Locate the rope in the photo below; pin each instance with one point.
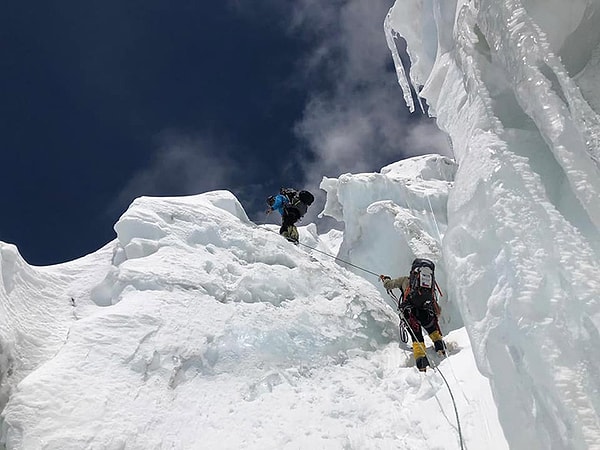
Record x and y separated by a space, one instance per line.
340 259
407 326
437 228
435 367
331 256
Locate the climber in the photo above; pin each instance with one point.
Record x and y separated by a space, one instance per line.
418 306
292 205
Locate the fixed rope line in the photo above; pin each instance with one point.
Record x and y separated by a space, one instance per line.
339 259
433 365
438 370
437 286
437 228
331 256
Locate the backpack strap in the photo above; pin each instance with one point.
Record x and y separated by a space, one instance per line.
437 286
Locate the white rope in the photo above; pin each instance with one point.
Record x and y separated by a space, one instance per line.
436 368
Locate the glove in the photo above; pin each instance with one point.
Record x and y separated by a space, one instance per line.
269 211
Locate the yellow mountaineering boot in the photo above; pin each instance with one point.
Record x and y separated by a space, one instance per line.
440 347
420 358
292 234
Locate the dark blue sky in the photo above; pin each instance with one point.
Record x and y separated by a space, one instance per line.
106 101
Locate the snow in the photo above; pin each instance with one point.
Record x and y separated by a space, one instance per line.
196 328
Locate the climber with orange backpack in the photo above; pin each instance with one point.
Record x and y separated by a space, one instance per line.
418 307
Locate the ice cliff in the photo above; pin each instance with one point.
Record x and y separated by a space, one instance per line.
514 83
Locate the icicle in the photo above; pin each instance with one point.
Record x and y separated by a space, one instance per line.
403 81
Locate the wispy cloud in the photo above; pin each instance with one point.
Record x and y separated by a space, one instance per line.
182 164
424 137
356 119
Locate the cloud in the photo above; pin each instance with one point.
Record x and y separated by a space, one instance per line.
425 137
182 164
356 119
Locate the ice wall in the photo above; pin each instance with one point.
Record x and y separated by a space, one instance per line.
514 84
392 217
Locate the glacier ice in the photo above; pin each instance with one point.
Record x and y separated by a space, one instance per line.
512 83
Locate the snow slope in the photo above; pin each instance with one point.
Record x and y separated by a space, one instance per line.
196 329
